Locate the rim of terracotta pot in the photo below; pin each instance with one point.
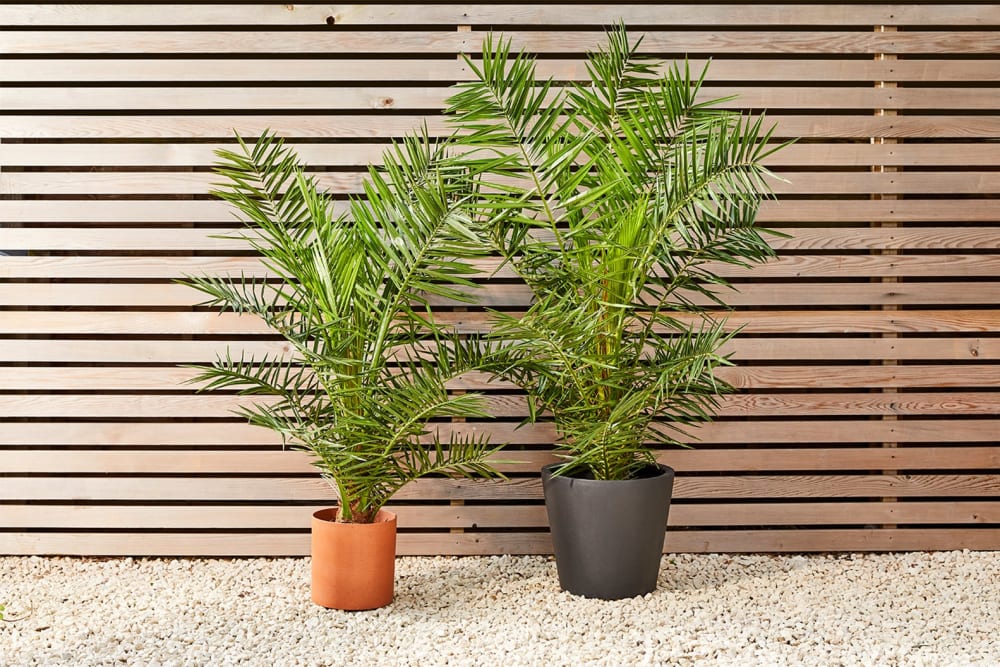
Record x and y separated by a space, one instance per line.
329 515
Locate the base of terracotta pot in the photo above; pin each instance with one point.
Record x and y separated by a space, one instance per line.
353 564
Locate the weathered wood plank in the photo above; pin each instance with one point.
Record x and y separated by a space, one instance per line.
341 154
792 183
875 539
357 126
190 239
146 295
818 404
513 14
844 512
314 490
752 322
411 98
715 459
452 42
305 489
65 212
264 517
173 434
124 378
813 404
261 517
790 266
825 377
186 69
120 351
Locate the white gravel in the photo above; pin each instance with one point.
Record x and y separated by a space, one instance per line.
903 609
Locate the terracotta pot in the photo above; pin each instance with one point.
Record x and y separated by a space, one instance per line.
353 564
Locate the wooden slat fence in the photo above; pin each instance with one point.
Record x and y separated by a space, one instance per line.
868 413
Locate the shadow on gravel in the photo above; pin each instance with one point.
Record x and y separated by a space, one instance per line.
713 571
469 585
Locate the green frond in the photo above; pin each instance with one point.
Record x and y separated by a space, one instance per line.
613 201
350 293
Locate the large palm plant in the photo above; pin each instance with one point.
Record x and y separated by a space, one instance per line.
615 200
349 292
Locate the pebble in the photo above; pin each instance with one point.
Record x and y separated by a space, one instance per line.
877 609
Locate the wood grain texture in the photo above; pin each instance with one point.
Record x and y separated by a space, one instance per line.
715 459
142 295
810 403
410 98
310 489
215 239
485 517
163 154
125 378
731 433
743 348
791 183
149 323
878 323
968 127
795 211
184 69
514 14
789 266
23 42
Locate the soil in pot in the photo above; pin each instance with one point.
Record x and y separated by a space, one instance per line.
353 564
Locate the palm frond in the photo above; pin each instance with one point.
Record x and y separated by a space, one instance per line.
351 294
641 187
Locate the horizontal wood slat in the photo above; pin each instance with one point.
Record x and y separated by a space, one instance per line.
126 378
813 266
791 183
417 70
22 42
384 98
163 155
780 322
811 404
484 517
512 14
723 432
222 544
215 239
791 211
742 348
236 462
866 416
140 295
302 489
357 126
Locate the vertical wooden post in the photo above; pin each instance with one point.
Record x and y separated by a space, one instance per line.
453 502
886 84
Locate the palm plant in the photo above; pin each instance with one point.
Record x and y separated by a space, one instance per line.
349 292
615 200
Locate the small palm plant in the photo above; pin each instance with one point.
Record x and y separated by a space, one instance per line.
615 200
349 292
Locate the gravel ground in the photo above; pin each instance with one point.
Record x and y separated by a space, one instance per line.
902 609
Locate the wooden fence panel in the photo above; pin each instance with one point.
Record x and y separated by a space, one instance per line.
868 410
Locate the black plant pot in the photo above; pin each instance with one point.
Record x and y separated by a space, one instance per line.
608 535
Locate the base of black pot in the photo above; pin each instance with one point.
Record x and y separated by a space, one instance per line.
608 535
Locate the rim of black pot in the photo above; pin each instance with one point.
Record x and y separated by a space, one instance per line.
662 471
